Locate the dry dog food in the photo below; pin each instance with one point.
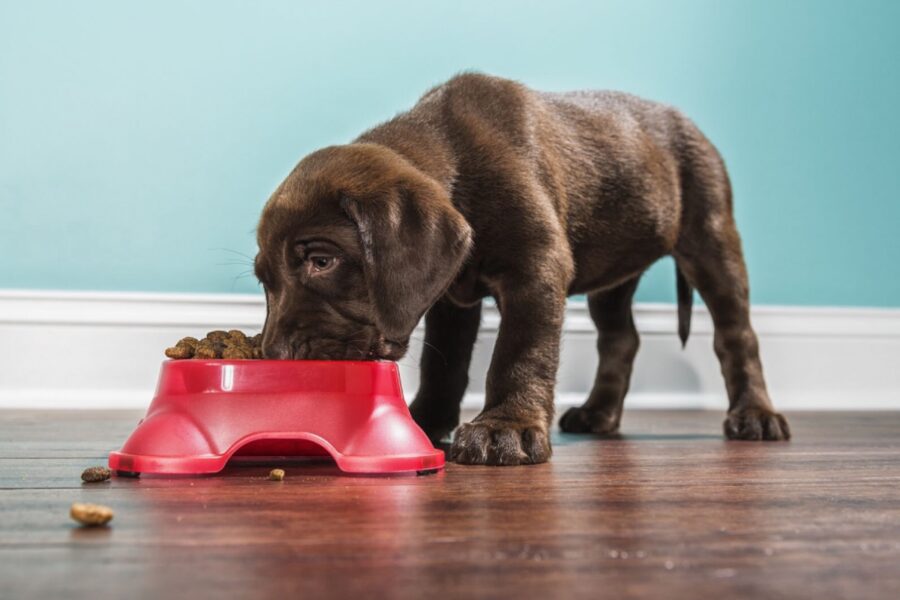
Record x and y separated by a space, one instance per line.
218 344
276 474
91 515
95 474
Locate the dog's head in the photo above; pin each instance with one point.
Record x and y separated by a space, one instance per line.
354 246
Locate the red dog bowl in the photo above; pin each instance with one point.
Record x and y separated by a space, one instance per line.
207 411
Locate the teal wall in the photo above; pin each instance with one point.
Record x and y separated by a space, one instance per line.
138 140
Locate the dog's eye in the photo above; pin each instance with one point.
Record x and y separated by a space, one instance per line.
320 262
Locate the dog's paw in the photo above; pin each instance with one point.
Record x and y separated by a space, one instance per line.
578 419
496 442
756 424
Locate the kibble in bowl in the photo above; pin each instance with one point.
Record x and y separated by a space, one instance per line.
234 344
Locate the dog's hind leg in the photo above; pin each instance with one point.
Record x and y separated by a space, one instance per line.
617 344
450 333
709 254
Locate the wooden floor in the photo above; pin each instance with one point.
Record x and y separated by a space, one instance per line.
668 510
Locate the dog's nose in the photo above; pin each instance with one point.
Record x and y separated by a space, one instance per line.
276 349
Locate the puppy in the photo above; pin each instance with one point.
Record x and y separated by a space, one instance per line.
488 188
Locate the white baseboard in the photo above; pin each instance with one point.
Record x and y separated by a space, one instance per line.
102 350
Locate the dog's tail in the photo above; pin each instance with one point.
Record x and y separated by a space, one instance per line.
685 306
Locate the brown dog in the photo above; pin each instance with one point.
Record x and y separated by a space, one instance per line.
486 187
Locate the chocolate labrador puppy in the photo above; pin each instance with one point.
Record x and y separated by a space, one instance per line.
488 188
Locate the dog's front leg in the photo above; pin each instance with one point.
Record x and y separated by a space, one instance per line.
450 334
514 426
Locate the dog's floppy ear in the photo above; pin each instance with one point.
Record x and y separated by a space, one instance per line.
414 242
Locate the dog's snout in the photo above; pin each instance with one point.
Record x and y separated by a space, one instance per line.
389 349
276 349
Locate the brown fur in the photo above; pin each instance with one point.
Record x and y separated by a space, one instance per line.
486 187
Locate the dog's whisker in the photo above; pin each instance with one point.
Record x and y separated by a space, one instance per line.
240 276
436 349
407 365
234 264
244 274
248 257
430 345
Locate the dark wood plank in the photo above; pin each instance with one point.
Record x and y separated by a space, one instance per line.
667 510
63 433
